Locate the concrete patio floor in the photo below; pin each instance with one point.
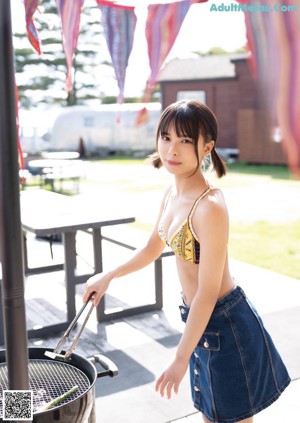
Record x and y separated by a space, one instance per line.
142 345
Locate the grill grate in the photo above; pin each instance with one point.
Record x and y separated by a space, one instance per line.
48 380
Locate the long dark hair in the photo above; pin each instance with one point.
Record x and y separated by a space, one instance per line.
190 118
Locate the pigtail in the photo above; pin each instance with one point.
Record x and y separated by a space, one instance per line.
218 164
154 160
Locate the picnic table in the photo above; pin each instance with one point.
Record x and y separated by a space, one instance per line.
56 167
60 155
46 213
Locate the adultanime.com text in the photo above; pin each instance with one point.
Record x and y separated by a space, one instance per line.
252 7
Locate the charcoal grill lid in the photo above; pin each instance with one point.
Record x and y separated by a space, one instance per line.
48 380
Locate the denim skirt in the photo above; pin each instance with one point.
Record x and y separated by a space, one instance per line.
235 370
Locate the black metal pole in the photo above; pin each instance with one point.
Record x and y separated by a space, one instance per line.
10 221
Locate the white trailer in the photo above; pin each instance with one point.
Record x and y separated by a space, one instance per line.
107 128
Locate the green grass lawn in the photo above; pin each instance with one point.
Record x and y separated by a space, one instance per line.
274 246
274 171
271 245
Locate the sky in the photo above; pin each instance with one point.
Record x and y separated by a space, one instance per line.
201 30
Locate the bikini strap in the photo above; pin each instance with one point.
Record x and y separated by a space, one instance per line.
197 201
167 200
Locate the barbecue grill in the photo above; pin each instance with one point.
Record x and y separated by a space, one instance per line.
49 379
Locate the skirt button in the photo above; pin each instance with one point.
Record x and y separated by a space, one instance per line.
196 372
182 311
206 344
196 389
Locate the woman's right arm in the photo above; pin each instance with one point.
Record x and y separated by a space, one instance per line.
99 283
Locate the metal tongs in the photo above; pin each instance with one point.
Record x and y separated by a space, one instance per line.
56 354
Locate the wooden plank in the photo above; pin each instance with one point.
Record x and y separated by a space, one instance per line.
40 312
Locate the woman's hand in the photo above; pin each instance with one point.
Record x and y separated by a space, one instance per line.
98 284
170 379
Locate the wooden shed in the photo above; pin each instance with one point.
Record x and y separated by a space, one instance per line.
225 83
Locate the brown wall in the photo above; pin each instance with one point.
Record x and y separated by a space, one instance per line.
246 86
254 139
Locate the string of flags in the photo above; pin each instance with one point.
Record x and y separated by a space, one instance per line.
119 22
273 40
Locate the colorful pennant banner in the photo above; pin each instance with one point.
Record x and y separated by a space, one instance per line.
70 12
32 34
162 27
119 26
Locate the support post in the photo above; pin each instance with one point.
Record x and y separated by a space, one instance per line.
10 222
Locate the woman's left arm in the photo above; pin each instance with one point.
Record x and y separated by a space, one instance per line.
210 222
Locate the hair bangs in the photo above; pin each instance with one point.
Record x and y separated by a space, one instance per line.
182 121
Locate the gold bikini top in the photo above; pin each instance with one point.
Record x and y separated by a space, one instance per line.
184 241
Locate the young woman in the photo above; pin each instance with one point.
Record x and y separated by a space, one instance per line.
235 370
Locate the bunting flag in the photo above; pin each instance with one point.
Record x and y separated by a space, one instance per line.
119 24
162 27
70 11
32 34
274 41
163 24
288 28
261 36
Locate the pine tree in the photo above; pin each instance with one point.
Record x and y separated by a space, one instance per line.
41 79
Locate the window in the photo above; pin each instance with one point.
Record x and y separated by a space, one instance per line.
88 122
191 95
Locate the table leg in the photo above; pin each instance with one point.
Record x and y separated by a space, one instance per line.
36 270
158 283
98 264
69 241
97 248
